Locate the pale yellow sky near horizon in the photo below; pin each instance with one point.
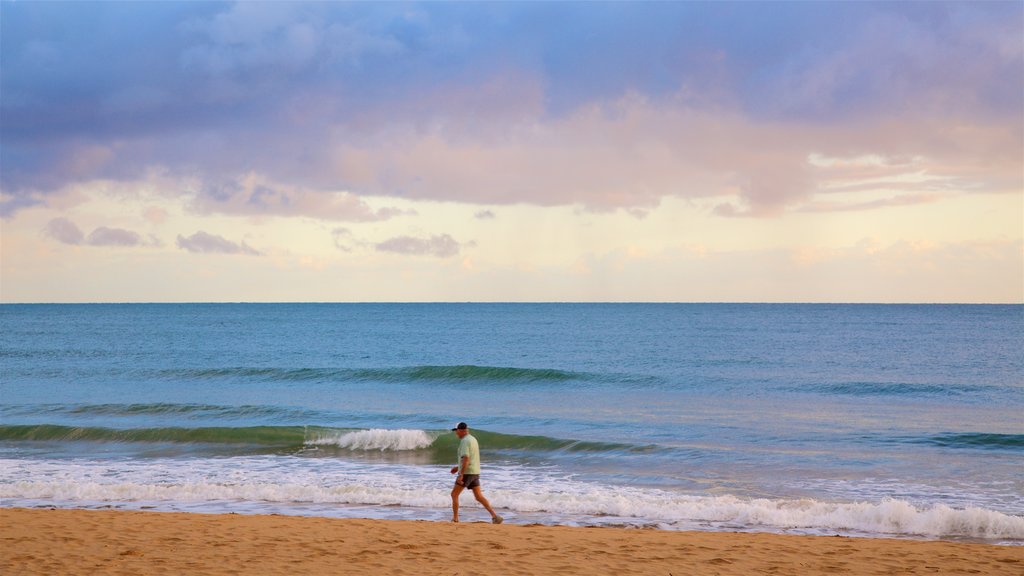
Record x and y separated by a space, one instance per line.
960 248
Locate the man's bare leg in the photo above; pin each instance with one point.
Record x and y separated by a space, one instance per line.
479 494
455 502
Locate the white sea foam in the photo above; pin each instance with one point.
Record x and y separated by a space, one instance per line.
320 484
375 439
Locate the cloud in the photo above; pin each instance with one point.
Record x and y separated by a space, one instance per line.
484 215
903 200
203 242
64 231
67 232
344 240
894 60
10 206
155 215
442 246
309 109
104 236
252 195
280 38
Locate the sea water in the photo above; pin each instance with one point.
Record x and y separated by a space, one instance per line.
874 420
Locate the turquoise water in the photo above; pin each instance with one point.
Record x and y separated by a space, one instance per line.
857 419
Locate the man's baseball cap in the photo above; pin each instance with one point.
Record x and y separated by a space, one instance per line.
461 426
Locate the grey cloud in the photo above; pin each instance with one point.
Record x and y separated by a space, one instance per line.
104 236
11 205
203 242
64 231
728 210
67 232
484 215
442 246
344 240
259 199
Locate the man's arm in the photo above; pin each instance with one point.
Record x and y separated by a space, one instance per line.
463 465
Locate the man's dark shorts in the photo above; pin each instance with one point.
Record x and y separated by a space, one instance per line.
470 480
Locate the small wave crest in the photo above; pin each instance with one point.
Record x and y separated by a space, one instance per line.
264 435
978 440
493 373
458 373
893 389
498 441
196 410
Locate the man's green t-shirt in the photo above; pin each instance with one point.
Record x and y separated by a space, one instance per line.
468 446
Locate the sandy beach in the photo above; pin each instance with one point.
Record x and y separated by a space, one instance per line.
47 541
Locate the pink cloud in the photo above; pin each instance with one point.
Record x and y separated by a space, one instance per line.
631 153
155 215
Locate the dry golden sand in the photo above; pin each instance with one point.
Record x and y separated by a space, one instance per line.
54 542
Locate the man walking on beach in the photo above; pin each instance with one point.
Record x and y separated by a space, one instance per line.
468 472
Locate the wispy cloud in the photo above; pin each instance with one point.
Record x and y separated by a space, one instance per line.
344 240
253 196
206 243
441 246
894 201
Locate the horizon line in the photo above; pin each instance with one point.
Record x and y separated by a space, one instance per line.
573 302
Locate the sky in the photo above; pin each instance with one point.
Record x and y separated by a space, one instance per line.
587 151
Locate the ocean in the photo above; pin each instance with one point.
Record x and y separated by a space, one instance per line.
860 420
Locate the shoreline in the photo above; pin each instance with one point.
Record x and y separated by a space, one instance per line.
80 541
478 515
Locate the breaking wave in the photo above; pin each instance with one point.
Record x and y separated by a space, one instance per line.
375 439
590 504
